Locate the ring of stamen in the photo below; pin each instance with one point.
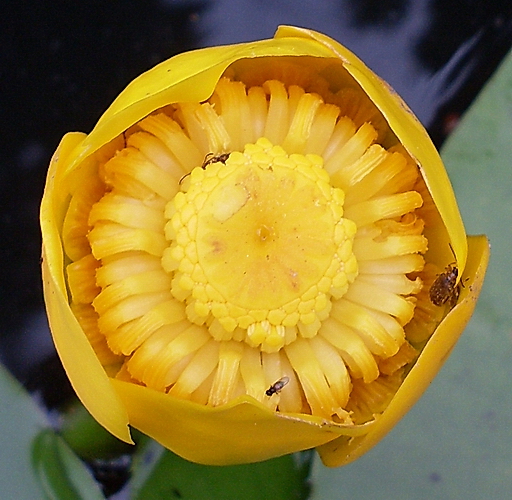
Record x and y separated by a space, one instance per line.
217 284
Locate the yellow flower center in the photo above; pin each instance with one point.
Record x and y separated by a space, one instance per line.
260 245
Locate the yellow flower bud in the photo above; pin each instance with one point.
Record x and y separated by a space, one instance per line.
239 260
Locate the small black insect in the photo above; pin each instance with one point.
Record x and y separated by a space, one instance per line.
208 160
277 386
213 158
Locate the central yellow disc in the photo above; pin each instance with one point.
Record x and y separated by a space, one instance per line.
265 236
260 243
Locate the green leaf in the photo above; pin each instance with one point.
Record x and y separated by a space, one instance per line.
87 438
172 477
456 442
63 476
20 421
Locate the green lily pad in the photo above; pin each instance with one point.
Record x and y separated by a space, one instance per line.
457 441
20 421
62 475
171 477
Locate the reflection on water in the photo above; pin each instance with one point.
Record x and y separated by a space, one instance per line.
436 53
366 13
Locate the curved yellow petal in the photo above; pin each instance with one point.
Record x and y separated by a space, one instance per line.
410 132
190 76
345 450
80 362
242 431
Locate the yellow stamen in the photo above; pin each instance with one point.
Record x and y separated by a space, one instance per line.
133 165
125 265
355 353
266 234
252 373
236 114
314 380
81 279
134 320
172 135
367 400
128 212
76 227
302 122
200 367
384 207
156 151
110 239
88 319
277 118
230 354
353 159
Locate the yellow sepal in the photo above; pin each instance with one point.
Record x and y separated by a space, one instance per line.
242 431
85 372
342 451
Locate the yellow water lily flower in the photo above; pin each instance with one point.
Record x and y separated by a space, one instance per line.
238 259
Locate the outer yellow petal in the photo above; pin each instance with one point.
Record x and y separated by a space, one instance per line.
411 134
190 76
242 431
345 450
80 362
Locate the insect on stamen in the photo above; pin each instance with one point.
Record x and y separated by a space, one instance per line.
208 160
277 386
213 158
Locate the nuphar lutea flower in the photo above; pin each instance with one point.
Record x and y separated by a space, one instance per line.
239 259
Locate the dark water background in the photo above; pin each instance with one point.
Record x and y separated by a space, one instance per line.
63 62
